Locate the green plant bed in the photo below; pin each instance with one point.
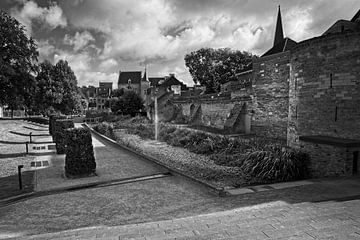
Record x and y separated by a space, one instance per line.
79 160
59 133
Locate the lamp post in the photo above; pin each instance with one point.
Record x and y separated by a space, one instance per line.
156 120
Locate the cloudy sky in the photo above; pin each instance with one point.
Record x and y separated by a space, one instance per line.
100 37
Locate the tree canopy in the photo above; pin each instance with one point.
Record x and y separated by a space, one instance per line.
56 88
23 83
18 56
213 67
130 103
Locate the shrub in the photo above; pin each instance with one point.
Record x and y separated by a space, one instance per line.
52 120
106 129
79 160
41 120
60 135
144 130
275 164
165 132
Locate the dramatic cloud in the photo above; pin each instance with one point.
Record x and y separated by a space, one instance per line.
99 38
52 16
79 41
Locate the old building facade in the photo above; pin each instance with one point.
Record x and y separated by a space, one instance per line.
306 93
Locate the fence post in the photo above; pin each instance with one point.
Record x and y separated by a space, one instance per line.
27 147
30 137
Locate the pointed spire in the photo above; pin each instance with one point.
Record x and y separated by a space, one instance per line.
279 35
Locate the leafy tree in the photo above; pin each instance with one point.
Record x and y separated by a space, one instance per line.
128 104
57 88
213 67
117 92
18 55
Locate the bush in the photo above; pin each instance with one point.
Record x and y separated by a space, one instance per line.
52 120
60 135
79 160
106 129
41 120
276 164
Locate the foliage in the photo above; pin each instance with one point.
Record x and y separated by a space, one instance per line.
79 158
40 120
18 54
52 120
106 129
56 88
213 67
96 113
117 92
60 135
276 164
128 104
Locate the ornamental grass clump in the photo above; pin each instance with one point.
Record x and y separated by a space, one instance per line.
79 160
276 164
59 134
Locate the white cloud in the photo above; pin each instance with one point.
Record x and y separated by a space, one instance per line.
80 40
45 49
108 64
51 16
298 21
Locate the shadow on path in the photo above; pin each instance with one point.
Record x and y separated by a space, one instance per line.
9 186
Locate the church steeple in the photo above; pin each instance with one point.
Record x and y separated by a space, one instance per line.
279 35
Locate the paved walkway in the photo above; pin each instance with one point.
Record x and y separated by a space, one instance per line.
172 208
275 220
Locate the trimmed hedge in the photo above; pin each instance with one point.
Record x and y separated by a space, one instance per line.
41 120
59 133
52 119
79 160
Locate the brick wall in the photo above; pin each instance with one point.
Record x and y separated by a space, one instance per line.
325 88
270 95
328 160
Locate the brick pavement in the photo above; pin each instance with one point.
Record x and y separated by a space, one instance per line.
274 220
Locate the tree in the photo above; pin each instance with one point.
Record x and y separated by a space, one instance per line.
128 104
213 67
18 55
117 92
57 88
